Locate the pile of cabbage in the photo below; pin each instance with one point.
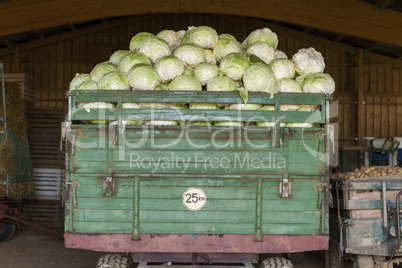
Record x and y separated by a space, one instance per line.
199 59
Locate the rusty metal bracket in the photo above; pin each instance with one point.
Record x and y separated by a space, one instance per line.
109 186
74 186
285 188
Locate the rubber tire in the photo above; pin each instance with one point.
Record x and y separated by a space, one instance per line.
333 255
296 257
7 230
276 262
363 261
113 260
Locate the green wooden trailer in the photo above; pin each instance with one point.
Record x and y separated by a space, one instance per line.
196 194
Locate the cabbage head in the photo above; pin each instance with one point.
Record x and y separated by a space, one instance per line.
228 124
264 35
87 85
244 107
132 59
116 57
168 68
233 65
133 105
268 124
114 81
204 36
209 56
221 83
161 123
259 77
308 61
288 85
181 34
143 77
203 106
303 125
205 71
154 48
319 83
190 54
279 54
78 79
185 82
227 36
263 51
282 68
97 105
171 37
137 40
101 69
186 38
225 47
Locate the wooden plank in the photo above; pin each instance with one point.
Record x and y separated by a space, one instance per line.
361 119
377 118
385 124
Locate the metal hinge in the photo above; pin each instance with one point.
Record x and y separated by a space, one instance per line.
285 188
108 186
74 186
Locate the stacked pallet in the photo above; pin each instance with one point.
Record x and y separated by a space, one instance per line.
44 137
49 213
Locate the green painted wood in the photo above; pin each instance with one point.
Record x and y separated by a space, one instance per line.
258 211
196 228
289 205
222 217
291 217
291 229
197 115
211 205
95 215
195 97
136 208
173 181
232 179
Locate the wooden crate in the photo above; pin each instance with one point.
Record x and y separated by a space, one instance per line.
26 83
49 213
47 183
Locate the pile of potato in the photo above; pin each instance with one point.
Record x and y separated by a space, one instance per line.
374 171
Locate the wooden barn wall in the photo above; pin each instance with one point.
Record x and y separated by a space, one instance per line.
369 99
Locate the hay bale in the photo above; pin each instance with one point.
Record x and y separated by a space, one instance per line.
15 109
14 151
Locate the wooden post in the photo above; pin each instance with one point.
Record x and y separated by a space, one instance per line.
361 119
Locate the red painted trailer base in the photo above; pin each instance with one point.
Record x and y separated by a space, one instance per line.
181 243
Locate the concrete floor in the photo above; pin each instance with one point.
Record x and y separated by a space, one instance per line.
30 249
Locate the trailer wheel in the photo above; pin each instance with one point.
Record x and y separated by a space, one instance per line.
276 262
333 255
7 230
113 260
295 257
363 261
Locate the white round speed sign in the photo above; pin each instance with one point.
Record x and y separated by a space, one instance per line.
194 199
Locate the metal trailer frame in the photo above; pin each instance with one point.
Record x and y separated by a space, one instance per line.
187 247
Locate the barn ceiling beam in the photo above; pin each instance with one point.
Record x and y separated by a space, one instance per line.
6 42
348 17
64 36
373 46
